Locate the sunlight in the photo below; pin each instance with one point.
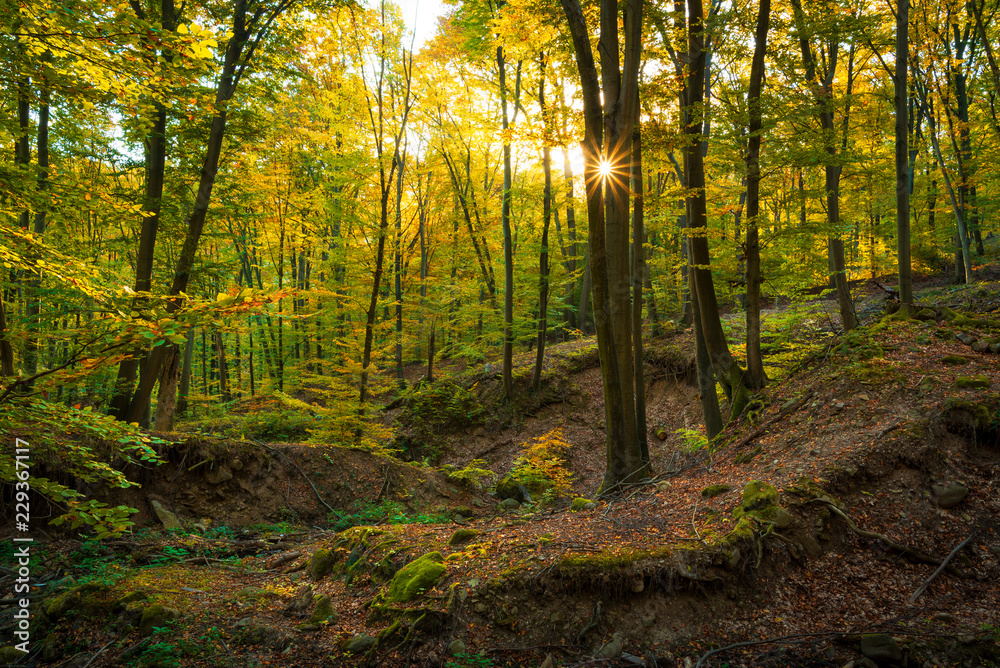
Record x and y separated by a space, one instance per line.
604 168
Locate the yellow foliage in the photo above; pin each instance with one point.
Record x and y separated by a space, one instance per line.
542 464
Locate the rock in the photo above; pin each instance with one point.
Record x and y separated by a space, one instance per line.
760 498
648 621
613 648
662 486
155 616
943 617
303 600
359 644
456 646
880 647
132 597
811 546
549 662
218 476
981 346
950 494
732 558
415 578
269 636
59 605
782 518
324 612
462 536
979 381
321 564
715 490
581 503
10 654
509 504
508 488
967 339
169 519
52 648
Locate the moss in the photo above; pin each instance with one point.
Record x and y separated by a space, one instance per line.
954 360
759 498
715 490
977 381
155 616
545 539
581 503
322 563
324 612
462 536
77 597
415 578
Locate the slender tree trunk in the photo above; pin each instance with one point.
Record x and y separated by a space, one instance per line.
508 247
638 283
543 256
710 410
34 283
185 381
902 156
398 270
755 361
6 350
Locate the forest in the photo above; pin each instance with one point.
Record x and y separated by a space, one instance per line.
592 256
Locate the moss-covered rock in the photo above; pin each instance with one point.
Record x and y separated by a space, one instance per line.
509 488
156 616
415 578
978 381
462 536
715 490
324 612
76 597
359 644
581 503
10 654
954 360
322 563
759 498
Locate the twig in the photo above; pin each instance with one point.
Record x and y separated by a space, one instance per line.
93 658
770 641
767 425
916 554
594 621
944 564
296 466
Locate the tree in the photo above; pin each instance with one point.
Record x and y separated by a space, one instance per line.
607 152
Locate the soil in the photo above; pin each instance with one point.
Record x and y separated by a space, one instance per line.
869 426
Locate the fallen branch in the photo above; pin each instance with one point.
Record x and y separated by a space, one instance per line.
767 425
916 554
944 564
296 466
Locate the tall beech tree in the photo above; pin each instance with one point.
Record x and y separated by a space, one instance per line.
607 154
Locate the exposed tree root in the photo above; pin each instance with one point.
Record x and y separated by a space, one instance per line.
916 554
944 564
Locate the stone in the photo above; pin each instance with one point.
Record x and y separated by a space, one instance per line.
880 647
359 644
995 348
648 621
59 605
549 662
456 646
967 339
715 490
269 636
219 475
508 488
156 616
943 617
415 578
462 536
10 654
782 518
981 346
978 381
321 564
581 503
324 612
169 519
613 648
509 504
949 495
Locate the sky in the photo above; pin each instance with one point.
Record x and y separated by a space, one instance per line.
421 16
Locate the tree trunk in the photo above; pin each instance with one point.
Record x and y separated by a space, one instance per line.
609 125
185 381
902 157
755 361
543 256
508 247
398 271
638 283
729 374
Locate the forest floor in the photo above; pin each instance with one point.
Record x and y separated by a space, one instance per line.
810 534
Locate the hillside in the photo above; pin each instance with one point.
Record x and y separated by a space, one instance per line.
810 535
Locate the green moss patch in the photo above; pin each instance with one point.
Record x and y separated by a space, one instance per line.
715 490
462 536
759 498
415 578
978 381
954 360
